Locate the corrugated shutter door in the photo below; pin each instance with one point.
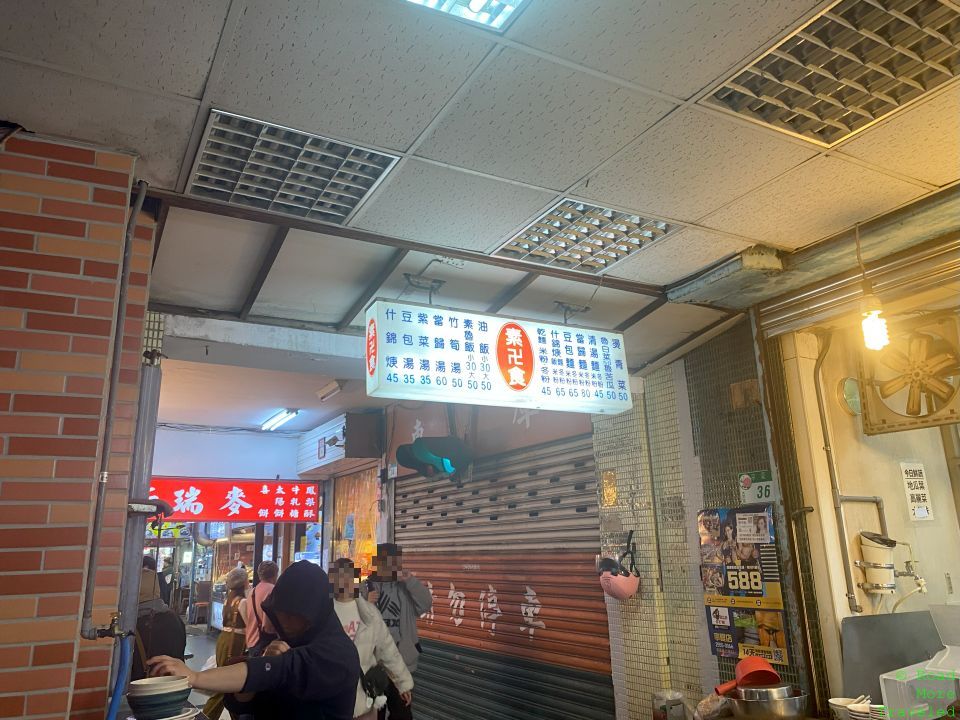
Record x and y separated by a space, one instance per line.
518 611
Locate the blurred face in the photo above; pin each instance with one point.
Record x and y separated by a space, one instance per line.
345 583
292 626
389 566
744 551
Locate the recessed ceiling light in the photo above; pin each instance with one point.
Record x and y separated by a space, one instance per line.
250 162
490 14
859 61
580 236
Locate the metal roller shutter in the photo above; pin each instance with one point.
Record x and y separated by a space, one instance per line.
518 611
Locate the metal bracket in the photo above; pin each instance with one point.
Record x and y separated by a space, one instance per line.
874 566
876 586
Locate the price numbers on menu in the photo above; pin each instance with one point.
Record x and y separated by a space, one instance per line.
744 580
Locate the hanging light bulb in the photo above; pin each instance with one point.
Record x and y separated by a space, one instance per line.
873 324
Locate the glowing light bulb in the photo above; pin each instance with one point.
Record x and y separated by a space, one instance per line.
874 325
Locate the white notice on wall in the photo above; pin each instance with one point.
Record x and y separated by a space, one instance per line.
918 490
419 352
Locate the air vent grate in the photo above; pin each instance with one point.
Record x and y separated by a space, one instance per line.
254 163
856 63
583 237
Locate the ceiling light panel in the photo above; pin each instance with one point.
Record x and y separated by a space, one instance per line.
249 162
578 236
856 63
490 14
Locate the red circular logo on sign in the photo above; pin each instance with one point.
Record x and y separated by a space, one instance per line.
372 347
515 356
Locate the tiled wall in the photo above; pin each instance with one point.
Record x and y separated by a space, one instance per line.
63 212
680 449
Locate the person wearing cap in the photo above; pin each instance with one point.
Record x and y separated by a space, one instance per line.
233 636
401 598
309 673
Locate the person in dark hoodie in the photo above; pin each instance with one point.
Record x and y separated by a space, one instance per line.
310 673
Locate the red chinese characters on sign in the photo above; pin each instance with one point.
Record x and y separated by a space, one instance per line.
515 356
217 500
372 347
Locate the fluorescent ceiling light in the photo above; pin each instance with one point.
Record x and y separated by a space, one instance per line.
580 236
284 416
490 14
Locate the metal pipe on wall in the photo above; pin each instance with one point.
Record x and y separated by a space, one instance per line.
870 500
140 473
87 630
826 338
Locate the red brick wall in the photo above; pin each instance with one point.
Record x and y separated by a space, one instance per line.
62 219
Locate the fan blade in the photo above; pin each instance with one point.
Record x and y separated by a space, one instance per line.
895 360
913 400
892 387
938 387
943 361
918 348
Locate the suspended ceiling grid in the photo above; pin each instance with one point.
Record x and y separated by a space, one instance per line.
490 131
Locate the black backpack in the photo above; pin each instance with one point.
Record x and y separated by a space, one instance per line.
158 633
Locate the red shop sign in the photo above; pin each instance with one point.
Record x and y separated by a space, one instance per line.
219 500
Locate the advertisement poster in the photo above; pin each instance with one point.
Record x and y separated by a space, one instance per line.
741 583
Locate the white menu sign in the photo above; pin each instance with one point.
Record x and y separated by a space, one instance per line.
917 489
420 352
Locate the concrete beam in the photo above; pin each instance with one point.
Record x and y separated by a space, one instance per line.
268 347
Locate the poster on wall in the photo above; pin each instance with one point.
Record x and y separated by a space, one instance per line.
918 491
741 583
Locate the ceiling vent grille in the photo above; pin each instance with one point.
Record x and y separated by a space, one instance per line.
249 162
856 63
578 236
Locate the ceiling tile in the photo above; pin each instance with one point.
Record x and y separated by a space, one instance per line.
102 114
467 286
207 261
608 308
677 256
661 330
166 46
318 277
676 47
812 202
691 164
450 208
922 141
532 120
372 72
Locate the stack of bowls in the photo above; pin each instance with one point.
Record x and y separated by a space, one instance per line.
840 707
158 698
878 712
859 711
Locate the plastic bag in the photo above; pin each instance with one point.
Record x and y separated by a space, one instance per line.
712 707
210 663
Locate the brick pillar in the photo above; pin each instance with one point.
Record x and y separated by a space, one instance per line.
63 211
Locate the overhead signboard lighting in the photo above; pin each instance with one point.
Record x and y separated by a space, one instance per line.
281 418
490 14
419 352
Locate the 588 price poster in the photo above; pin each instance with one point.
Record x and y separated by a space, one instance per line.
741 582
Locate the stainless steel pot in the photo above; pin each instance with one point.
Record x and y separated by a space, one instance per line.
764 692
776 709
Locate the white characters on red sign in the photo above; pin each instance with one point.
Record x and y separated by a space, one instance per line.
235 501
515 338
428 615
265 490
530 609
458 602
263 513
517 376
188 501
489 609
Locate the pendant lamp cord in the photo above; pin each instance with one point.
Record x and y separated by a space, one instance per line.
867 286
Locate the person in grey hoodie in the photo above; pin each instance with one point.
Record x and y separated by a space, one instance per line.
401 598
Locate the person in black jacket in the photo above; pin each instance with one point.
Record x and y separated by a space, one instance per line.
310 673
